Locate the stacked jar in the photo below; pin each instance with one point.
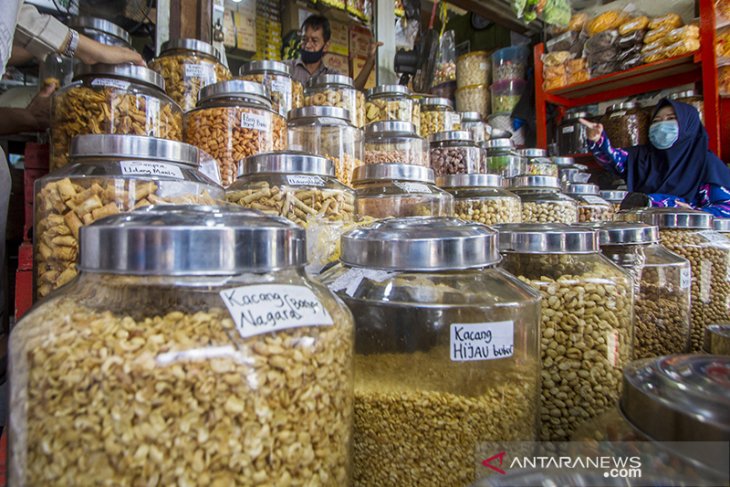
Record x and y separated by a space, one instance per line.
276 76
626 124
427 384
334 90
542 201
472 81
164 348
691 97
327 132
717 340
392 103
572 135
437 115
538 163
591 207
395 143
587 320
501 158
234 120
474 123
721 226
615 197
399 190
455 152
101 30
481 198
509 66
119 100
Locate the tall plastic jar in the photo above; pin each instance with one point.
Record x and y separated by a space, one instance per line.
108 174
626 124
428 381
395 143
438 115
509 63
115 100
472 68
506 95
473 122
591 207
482 198
587 320
210 360
334 90
392 103
399 190
327 132
276 76
473 98
188 65
234 120
454 152
542 201
615 197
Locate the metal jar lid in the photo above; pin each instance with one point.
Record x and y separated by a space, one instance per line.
437 102
532 153
582 189
535 182
452 136
191 241
620 233
286 162
613 196
563 161
676 218
331 79
717 339
133 147
236 88
127 72
388 90
627 105
393 172
576 115
102 26
679 397
194 45
499 144
721 225
683 94
319 112
421 245
469 181
471 117
550 238
261 67
390 127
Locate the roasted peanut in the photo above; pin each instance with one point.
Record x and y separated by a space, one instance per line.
550 212
489 211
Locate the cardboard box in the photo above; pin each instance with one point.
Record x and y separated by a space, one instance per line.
245 32
337 62
339 42
359 41
229 29
357 64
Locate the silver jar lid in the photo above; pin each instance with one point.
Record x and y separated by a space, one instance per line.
469 181
236 88
421 245
582 189
535 182
721 225
260 67
620 233
627 105
669 218
102 26
613 196
331 79
133 147
576 115
683 94
563 161
191 241
319 112
679 397
127 72
717 339
390 127
533 153
471 117
499 144
550 238
388 90
393 172
437 102
193 45
286 162
452 136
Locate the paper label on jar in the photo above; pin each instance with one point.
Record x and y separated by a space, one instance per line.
593 200
203 72
569 129
452 120
153 169
482 341
283 86
617 114
255 121
350 280
113 83
305 181
685 278
418 188
267 308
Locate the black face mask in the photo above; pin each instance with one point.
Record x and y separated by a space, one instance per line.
311 57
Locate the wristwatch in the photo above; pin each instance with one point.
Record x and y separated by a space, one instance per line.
73 43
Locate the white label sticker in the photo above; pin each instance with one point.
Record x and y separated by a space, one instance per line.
283 86
146 168
482 341
685 278
305 180
254 121
482 66
350 280
113 83
418 188
594 200
452 120
267 308
204 72
569 129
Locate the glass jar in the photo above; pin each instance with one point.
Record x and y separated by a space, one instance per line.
297 94
216 341
437 115
626 124
472 122
573 174
118 100
108 174
399 190
587 320
572 135
188 65
542 201
500 147
532 153
661 287
563 161
454 152
721 226
541 166
234 120
392 103
101 30
395 143
473 98
591 207
472 68
327 132
423 367
717 340
481 198
614 197
334 90
691 97
276 76
56 70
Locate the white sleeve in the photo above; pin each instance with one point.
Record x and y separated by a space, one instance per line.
38 33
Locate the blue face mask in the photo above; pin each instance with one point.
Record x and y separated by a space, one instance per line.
663 135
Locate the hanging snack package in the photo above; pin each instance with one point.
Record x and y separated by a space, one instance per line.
608 20
670 21
556 58
445 66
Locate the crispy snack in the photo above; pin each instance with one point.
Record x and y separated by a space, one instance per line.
186 74
608 20
633 25
669 21
347 98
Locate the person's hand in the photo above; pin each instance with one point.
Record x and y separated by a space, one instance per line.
40 106
91 52
595 130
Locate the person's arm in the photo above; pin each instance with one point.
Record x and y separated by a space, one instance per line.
611 158
33 118
714 199
362 78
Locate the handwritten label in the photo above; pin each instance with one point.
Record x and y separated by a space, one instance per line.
281 85
113 83
452 120
482 341
418 188
156 169
305 181
594 200
266 308
569 129
203 72
350 280
685 278
254 121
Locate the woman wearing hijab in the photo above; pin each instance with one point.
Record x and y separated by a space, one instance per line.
676 169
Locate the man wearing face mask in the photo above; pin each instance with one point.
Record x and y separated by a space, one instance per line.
676 169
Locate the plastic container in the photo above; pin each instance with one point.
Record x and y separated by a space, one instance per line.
395 143
506 95
415 384
572 135
614 197
334 90
159 352
399 190
101 30
473 122
481 198
455 152
276 76
115 100
392 103
509 63
473 68
473 98
585 342
188 65
542 201
591 207
234 120
327 132
691 97
437 115
626 124
717 340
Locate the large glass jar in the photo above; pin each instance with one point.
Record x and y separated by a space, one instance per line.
234 120
721 226
500 147
108 174
395 143
573 174
501 158
591 207
334 90
399 190
533 153
191 348
542 201
446 349
587 320
626 124
454 152
119 100
327 132
540 166
276 76
615 197
392 103
101 30
438 115
691 97
661 287
481 198
472 122
188 65
717 340
572 135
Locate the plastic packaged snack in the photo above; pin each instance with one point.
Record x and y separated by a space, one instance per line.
671 21
608 20
631 62
563 42
633 25
445 66
723 78
722 43
555 82
681 33
557 58
605 68
601 41
604 56
628 53
634 39
654 56
579 76
682 47
656 35
576 65
577 48
651 46
549 72
577 22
